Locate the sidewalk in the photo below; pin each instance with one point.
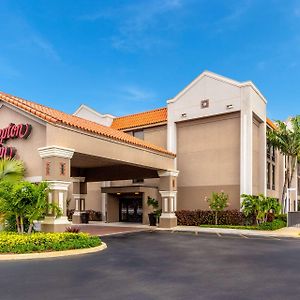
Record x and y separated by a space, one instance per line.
284 232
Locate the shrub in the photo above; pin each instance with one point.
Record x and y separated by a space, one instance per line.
93 215
282 217
42 242
276 224
227 217
260 206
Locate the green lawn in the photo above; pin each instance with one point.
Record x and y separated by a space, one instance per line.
275 225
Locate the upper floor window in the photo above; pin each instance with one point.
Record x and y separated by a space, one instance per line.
138 134
268 175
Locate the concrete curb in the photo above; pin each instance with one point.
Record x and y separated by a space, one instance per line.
53 254
261 233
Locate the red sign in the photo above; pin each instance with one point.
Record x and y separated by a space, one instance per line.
21 131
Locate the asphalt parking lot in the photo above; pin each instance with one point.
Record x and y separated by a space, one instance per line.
162 265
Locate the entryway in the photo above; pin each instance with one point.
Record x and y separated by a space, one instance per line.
131 208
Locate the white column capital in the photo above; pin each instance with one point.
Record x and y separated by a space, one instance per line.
56 151
59 185
166 173
168 194
78 179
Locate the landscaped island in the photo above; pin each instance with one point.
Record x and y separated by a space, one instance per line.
45 242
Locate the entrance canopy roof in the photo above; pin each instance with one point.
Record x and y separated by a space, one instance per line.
102 152
54 116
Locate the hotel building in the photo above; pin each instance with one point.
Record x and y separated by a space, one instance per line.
210 137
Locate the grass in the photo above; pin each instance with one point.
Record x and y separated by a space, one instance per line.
275 225
45 242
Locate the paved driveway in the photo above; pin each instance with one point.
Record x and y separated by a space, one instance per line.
160 265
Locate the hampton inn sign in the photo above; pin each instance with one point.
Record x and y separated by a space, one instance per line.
13 131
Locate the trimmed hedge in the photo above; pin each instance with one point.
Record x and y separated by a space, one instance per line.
207 217
93 215
44 242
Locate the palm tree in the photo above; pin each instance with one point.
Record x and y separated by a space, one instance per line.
11 170
286 138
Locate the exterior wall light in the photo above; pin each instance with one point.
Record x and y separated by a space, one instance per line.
183 115
229 106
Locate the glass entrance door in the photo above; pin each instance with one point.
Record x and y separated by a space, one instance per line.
131 210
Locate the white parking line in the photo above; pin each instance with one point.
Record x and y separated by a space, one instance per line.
244 236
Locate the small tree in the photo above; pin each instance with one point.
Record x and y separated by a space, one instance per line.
155 205
218 202
25 201
286 139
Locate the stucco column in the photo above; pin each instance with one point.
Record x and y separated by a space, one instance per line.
168 192
56 168
79 195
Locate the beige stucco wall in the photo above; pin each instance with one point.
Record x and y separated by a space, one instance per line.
98 146
156 135
255 161
93 197
208 158
26 149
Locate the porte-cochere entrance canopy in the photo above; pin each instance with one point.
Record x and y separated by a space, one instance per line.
64 149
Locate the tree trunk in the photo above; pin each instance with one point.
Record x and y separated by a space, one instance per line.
216 218
30 228
18 224
22 225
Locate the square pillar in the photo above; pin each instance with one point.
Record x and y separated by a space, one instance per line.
168 192
56 163
79 195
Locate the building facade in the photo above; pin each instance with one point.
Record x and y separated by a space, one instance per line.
211 137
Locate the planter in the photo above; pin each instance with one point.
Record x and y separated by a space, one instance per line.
152 219
84 217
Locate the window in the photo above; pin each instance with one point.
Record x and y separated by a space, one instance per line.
273 154
273 177
62 168
268 151
48 167
271 167
139 134
268 175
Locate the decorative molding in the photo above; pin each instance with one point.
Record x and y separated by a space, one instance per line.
79 196
168 194
78 179
53 220
59 185
91 110
220 78
56 151
34 179
173 173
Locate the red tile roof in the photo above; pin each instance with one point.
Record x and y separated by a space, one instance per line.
146 118
271 124
57 117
